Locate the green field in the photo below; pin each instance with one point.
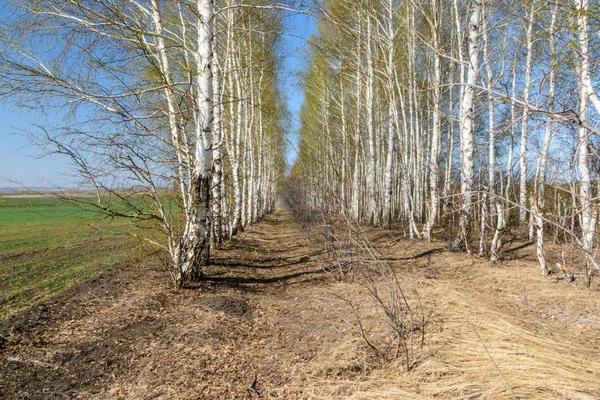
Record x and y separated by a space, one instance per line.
48 244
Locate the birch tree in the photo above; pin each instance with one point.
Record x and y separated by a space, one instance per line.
413 80
140 85
586 93
466 125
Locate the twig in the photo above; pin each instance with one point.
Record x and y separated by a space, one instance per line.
494 362
359 324
252 387
568 316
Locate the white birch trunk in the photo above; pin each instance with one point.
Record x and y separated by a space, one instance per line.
194 248
497 240
250 135
525 122
344 161
356 193
436 124
371 162
237 146
450 151
483 220
491 115
543 160
388 187
259 201
466 127
539 223
588 221
217 180
509 159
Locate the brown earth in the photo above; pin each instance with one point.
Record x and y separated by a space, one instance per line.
270 321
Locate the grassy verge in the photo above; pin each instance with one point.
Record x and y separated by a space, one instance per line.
47 245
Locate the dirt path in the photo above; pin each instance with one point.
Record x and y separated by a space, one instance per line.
268 323
127 334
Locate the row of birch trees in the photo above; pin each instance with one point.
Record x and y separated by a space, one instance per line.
169 110
474 116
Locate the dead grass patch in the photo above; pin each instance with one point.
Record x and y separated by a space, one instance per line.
130 336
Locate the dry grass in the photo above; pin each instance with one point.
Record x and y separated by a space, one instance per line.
492 333
475 352
496 334
483 350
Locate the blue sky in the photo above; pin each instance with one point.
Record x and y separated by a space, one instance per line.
18 160
298 29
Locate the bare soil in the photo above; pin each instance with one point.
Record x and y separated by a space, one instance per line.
268 322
